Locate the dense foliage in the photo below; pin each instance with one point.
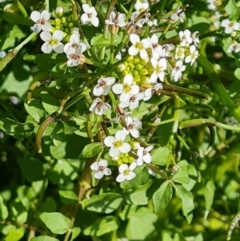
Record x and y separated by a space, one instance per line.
119 120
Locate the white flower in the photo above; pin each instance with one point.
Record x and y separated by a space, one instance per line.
211 4
192 56
195 38
90 15
100 169
104 85
160 66
52 42
2 54
167 48
149 92
116 19
74 55
141 6
234 47
230 26
185 37
98 106
177 71
74 42
127 88
41 21
180 53
132 126
133 101
178 15
126 172
139 46
144 155
117 144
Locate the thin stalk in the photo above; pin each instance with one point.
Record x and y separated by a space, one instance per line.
21 8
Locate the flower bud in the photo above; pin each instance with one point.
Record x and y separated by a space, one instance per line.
63 20
135 145
57 22
143 72
59 11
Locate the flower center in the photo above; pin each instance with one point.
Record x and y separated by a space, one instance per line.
53 42
126 172
126 88
101 168
74 56
139 45
41 21
103 83
117 144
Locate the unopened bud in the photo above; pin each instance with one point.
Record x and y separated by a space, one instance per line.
57 22
63 20
59 11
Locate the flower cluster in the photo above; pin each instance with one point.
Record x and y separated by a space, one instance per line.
145 65
63 36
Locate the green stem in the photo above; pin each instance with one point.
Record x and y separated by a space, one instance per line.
198 122
218 86
112 49
21 8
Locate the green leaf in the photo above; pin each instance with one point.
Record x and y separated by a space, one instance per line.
58 134
3 209
14 18
187 201
103 203
105 40
16 129
19 211
209 194
35 110
139 196
141 225
56 222
44 238
141 178
75 232
161 156
91 150
49 102
162 196
181 176
102 226
31 168
15 234
68 197
232 10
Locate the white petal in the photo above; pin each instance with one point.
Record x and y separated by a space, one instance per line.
134 38
103 163
125 148
114 152
120 178
84 18
46 27
94 166
108 141
130 176
86 8
46 48
133 51
37 28
117 88
107 172
140 161
110 80
128 79
35 16
132 166
123 168
59 48
45 36
134 133
98 175
58 34
120 135
95 21
98 90
45 15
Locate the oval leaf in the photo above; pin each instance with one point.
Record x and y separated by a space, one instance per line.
56 222
91 150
